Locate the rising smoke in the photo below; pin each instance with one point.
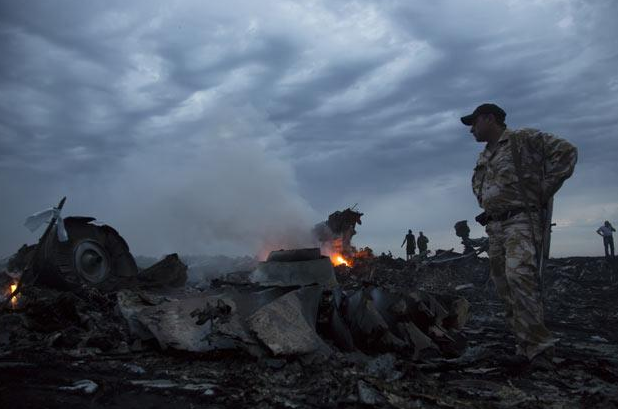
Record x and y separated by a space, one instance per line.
220 189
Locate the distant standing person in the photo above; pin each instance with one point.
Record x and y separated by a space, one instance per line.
422 243
410 246
606 231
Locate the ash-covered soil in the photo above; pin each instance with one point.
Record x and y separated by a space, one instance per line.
77 353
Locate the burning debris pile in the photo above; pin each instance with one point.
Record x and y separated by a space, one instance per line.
335 235
78 294
295 331
274 310
310 345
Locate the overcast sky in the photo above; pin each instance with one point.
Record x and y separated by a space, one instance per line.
232 127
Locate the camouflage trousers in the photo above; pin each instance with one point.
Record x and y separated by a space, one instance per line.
513 266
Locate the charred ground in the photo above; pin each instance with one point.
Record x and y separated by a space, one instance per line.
67 337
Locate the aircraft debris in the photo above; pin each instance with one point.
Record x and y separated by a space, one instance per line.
401 334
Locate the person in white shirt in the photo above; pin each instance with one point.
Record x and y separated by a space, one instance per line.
606 231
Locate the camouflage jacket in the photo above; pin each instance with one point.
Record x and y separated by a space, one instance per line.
546 162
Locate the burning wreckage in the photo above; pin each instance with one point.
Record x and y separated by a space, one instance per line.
84 324
335 235
273 310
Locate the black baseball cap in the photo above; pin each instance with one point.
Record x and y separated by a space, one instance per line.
482 110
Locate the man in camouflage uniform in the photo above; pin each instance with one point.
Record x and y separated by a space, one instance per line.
512 217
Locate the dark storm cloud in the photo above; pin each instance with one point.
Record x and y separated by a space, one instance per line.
237 126
544 63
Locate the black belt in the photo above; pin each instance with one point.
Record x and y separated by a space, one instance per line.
507 215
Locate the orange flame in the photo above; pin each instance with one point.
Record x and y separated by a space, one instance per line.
14 298
337 260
